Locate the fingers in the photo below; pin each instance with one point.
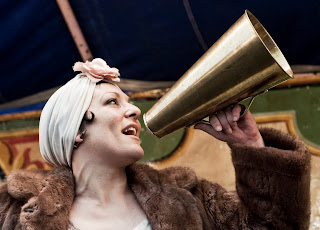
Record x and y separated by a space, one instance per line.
229 116
215 123
223 119
226 125
226 120
236 111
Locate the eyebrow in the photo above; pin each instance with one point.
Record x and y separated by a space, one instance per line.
117 95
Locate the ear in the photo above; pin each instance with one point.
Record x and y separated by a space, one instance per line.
79 138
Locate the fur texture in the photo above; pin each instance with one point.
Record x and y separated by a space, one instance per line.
273 192
37 199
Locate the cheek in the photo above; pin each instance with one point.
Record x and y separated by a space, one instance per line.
110 122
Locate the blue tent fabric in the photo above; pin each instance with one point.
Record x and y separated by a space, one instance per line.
144 35
147 40
36 48
32 107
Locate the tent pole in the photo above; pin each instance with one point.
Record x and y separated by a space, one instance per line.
75 30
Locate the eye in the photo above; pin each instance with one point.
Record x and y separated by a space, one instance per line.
112 101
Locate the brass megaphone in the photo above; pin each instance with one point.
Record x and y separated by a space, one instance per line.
243 63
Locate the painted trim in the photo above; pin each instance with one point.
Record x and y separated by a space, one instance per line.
20 116
301 79
9 162
289 119
15 134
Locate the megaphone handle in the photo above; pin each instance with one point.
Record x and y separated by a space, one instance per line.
246 108
242 113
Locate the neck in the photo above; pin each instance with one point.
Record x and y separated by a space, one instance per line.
100 184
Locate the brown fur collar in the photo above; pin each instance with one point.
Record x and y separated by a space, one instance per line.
46 198
166 197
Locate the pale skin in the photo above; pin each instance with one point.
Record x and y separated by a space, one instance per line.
103 199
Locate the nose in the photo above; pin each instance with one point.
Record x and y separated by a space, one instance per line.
133 111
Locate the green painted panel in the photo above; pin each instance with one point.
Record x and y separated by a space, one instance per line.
16 125
156 148
305 101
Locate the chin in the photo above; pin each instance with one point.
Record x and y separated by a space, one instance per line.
135 154
140 154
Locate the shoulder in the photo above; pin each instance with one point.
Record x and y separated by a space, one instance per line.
23 184
27 196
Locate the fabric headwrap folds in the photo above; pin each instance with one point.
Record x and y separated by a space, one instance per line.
61 118
63 113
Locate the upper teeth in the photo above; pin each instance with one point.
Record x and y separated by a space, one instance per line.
131 129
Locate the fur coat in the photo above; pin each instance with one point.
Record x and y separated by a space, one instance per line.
272 183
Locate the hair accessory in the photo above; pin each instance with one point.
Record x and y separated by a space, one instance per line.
97 70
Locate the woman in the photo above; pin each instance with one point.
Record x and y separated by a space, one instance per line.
90 130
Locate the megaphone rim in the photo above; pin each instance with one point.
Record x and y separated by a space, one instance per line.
285 66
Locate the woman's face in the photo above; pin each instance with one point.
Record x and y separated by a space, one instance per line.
113 135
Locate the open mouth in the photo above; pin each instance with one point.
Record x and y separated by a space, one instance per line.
130 131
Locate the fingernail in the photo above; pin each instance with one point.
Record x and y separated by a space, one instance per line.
218 128
235 118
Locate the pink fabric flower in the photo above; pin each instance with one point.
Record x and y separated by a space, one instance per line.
97 70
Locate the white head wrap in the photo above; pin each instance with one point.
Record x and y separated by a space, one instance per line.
62 115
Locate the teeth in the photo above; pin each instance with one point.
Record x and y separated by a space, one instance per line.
130 131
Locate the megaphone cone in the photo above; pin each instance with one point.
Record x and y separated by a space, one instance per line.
243 63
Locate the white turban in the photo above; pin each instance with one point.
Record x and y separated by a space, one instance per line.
63 113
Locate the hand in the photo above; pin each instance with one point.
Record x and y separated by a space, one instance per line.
226 125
